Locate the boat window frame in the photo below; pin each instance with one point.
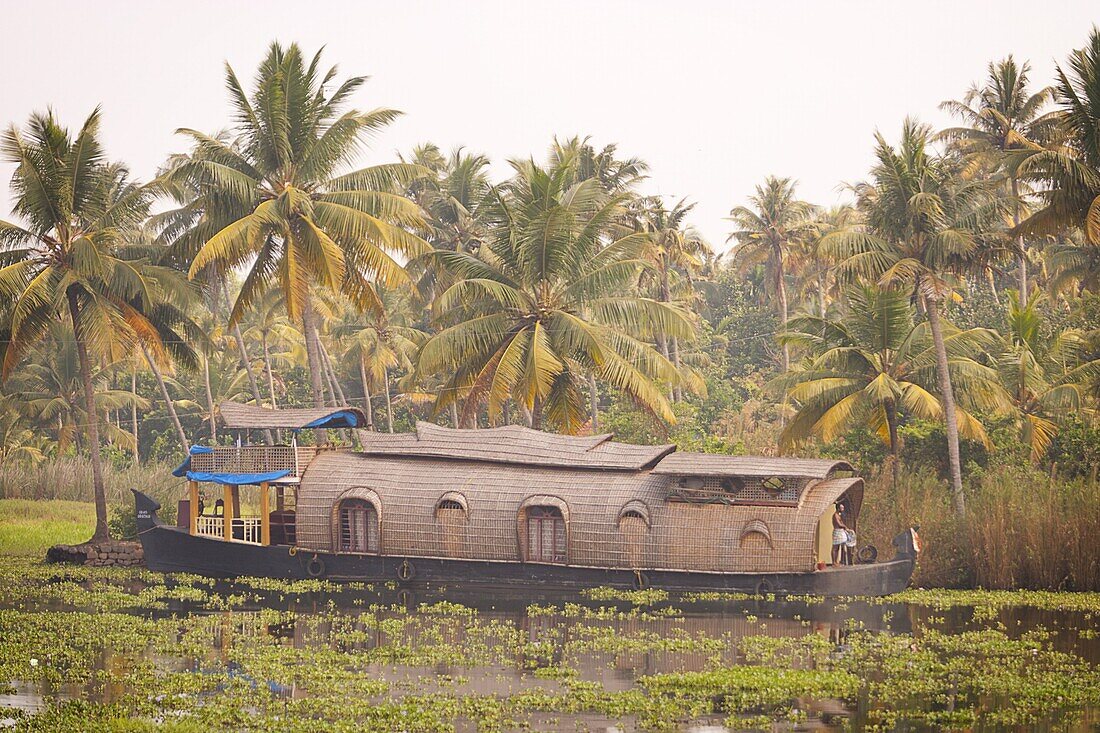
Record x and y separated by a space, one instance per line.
547 518
368 508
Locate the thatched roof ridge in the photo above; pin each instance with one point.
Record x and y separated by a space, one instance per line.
515 444
709 464
236 416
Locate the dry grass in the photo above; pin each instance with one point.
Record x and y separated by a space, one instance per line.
1021 530
70 479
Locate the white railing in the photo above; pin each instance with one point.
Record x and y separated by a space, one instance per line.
210 526
250 528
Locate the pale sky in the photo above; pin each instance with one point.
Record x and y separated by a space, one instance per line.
714 96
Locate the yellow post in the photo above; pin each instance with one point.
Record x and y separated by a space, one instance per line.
265 517
228 501
193 524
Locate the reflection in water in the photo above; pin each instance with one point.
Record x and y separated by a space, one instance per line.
494 644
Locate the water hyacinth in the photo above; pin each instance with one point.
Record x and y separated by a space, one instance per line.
94 647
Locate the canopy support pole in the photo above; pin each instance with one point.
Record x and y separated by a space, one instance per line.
228 507
265 516
193 508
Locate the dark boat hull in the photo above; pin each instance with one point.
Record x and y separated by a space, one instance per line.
170 549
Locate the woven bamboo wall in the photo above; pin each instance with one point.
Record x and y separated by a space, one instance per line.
681 535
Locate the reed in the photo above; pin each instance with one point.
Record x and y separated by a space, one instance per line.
1022 529
70 479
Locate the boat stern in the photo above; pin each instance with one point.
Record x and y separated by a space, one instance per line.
145 512
907 544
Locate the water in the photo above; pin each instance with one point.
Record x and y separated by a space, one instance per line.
427 659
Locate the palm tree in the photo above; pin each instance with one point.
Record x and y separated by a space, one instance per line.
676 248
875 363
69 258
1003 117
613 174
550 296
1047 376
926 225
378 347
271 326
275 201
1071 171
1074 263
450 192
814 282
48 391
766 232
19 442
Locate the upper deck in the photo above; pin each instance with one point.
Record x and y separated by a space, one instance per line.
254 459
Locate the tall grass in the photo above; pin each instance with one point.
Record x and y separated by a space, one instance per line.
1021 530
70 479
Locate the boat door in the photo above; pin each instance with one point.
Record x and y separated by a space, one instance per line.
359 527
545 534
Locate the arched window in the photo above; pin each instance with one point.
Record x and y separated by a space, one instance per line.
756 535
451 521
359 527
634 533
545 534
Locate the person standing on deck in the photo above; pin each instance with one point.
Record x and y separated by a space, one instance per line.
840 533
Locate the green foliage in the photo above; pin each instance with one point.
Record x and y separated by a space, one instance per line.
305 656
1076 449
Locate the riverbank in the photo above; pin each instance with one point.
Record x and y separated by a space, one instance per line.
28 528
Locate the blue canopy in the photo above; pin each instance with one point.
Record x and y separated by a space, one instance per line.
196 450
339 419
225 479
236 479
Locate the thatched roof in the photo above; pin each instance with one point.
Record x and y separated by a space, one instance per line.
515 444
236 416
708 464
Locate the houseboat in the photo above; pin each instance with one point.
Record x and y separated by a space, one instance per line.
508 506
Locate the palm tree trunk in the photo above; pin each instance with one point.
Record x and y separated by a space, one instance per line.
1021 255
313 357
338 398
950 417
102 532
674 346
133 411
665 296
781 291
389 403
895 449
337 389
366 392
167 399
209 399
247 364
267 368
536 414
454 414
593 401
